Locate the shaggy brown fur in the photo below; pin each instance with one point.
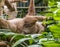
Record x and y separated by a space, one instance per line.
31 26
31 9
4 44
26 25
37 27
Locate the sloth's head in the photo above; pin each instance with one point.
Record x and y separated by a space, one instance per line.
30 21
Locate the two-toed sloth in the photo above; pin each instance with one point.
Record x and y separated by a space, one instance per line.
26 25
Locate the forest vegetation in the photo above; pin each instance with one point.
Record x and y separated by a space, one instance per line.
50 37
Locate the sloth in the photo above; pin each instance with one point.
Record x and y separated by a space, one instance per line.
10 8
26 25
35 26
32 26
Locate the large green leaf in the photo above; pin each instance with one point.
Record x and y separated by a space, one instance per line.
35 46
20 41
51 44
17 37
55 29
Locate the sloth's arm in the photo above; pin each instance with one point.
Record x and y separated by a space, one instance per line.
4 23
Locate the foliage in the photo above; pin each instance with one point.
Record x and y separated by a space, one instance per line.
49 38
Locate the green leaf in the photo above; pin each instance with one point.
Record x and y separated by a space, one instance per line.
51 44
16 37
20 41
35 46
55 29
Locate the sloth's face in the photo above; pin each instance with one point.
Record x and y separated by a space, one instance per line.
29 23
